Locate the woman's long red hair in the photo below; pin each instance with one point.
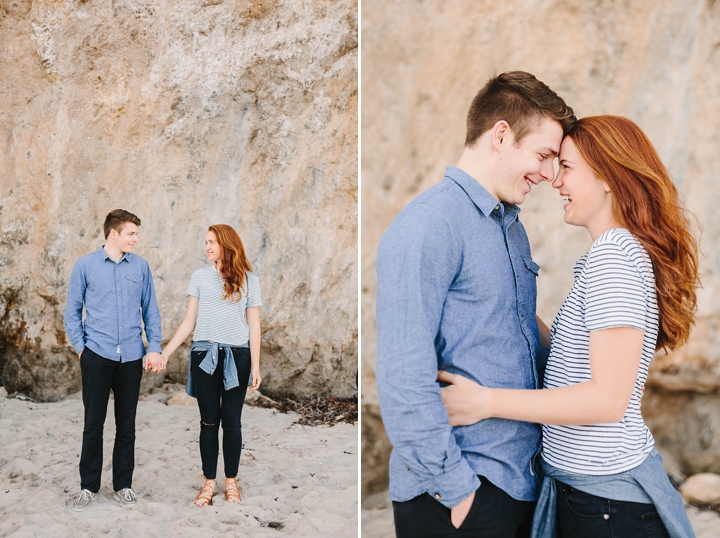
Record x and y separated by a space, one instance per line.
233 261
646 202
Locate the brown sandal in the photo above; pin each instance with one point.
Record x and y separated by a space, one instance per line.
206 494
232 494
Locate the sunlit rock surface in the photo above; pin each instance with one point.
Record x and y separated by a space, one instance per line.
186 113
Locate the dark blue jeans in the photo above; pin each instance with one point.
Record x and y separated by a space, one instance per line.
99 377
220 406
590 516
493 514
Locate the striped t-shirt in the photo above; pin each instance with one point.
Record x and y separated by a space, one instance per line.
220 320
614 287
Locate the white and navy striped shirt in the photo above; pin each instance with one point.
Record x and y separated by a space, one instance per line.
220 320
614 287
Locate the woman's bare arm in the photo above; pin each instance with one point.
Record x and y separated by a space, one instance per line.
614 362
252 315
186 328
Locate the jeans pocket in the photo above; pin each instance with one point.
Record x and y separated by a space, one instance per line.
654 527
582 514
196 357
582 504
472 513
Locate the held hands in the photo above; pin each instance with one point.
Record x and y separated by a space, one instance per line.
466 401
155 362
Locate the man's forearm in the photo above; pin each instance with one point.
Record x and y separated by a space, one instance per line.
77 344
151 316
417 425
153 328
74 309
74 327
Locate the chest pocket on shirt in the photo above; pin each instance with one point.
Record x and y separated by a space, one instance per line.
527 283
531 267
134 285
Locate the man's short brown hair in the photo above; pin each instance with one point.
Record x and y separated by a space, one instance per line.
116 220
521 100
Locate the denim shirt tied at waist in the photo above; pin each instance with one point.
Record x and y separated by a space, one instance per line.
646 483
210 362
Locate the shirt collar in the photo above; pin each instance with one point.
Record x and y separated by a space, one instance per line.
484 201
106 256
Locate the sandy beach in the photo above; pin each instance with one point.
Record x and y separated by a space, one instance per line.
377 518
296 480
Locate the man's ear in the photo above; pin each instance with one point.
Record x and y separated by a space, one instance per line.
500 132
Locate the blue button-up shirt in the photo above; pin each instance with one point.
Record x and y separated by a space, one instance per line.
456 291
115 296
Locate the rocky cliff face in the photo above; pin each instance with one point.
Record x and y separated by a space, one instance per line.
655 62
241 112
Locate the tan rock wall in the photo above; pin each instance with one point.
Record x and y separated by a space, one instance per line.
655 62
186 113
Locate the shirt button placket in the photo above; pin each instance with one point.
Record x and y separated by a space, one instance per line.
119 294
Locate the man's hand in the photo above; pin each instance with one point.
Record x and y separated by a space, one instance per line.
80 355
459 512
154 362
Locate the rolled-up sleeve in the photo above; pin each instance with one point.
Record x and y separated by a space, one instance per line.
74 307
151 314
418 259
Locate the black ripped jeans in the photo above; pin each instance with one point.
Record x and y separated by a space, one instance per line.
220 407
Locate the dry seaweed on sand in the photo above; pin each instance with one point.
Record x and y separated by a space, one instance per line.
314 411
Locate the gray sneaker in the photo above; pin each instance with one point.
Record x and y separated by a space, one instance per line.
125 497
84 500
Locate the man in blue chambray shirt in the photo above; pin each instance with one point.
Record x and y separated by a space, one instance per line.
456 291
116 289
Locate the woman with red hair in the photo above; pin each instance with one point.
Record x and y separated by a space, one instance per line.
223 316
634 293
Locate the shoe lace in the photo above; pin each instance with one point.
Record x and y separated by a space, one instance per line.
84 495
127 495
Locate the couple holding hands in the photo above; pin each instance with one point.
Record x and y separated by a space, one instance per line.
493 434
115 288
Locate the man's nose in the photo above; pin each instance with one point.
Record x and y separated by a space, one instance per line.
546 171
